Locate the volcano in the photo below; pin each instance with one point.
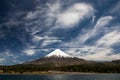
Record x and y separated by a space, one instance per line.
56 58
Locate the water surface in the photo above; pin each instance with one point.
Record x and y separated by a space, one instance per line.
62 77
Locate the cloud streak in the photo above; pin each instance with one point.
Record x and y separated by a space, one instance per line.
109 39
116 9
99 26
74 15
29 52
101 49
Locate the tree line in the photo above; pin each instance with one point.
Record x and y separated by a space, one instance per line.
95 67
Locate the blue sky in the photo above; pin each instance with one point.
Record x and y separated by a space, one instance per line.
30 29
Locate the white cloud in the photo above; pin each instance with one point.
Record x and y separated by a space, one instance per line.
61 18
37 38
34 22
48 42
94 53
36 14
93 19
101 50
45 50
52 12
29 52
46 38
2 59
8 57
32 15
101 56
80 39
54 9
109 39
8 53
69 17
101 23
99 26
74 15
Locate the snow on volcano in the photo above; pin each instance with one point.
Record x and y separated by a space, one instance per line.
58 53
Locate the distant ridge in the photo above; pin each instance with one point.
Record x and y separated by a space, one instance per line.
116 61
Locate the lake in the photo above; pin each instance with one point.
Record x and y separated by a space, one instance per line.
62 77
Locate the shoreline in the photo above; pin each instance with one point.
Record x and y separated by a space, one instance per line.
55 73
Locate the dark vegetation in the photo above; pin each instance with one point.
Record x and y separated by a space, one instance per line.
97 68
108 67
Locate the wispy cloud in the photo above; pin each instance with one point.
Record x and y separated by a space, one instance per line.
29 52
94 53
109 39
99 26
55 14
70 16
61 18
101 54
32 15
101 49
8 57
102 22
38 38
115 10
90 33
2 60
74 15
93 19
48 42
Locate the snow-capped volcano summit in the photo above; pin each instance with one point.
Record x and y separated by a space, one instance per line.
58 53
57 58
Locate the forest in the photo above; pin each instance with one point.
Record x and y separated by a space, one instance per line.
91 68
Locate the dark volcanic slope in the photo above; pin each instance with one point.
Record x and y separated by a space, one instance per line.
56 61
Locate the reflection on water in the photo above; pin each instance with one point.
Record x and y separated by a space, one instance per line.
62 77
56 77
